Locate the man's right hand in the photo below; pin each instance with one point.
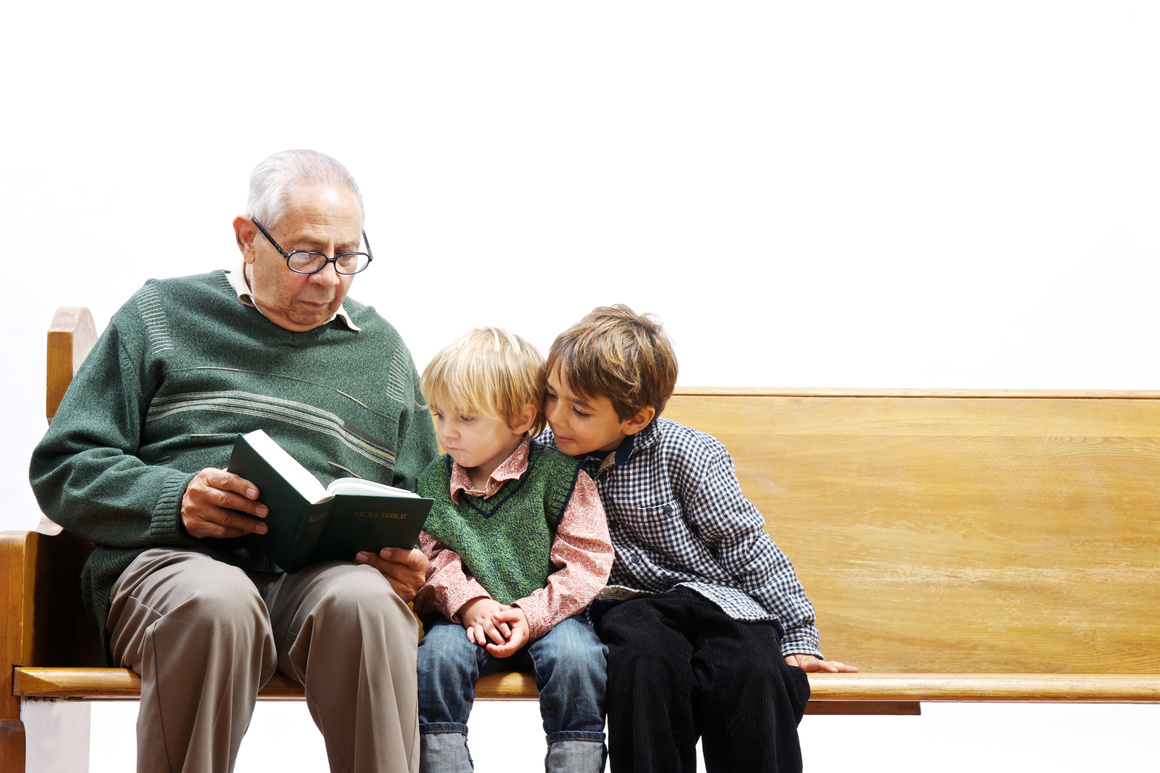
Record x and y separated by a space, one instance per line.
220 504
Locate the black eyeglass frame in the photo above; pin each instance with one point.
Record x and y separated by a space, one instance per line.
334 260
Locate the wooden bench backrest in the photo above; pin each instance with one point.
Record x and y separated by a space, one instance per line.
955 531
71 335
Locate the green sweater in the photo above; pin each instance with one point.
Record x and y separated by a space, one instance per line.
184 367
505 541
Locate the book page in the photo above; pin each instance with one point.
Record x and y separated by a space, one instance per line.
366 487
290 468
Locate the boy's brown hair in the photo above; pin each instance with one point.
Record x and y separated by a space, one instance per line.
615 352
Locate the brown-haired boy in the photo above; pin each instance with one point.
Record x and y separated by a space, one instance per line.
709 632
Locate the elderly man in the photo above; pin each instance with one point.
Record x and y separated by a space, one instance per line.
133 462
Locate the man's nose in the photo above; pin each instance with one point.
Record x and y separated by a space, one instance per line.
328 275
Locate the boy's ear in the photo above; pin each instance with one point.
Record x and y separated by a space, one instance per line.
641 420
526 421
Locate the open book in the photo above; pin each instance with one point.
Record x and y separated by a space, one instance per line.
309 522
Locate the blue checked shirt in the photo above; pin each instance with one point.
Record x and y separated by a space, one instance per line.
678 518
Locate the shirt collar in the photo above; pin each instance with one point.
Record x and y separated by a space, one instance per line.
237 279
512 469
628 447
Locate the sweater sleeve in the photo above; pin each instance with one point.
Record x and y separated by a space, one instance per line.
581 558
85 472
726 520
447 587
416 440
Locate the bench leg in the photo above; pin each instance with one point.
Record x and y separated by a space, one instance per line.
11 745
57 735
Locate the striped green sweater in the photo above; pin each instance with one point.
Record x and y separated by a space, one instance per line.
183 368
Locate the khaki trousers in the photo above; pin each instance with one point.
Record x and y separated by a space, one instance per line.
205 636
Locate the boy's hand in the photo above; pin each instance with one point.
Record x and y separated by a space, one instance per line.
514 619
810 663
478 618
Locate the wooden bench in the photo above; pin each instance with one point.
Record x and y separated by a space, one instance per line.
958 546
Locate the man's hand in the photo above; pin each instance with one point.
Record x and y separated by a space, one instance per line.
810 663
220 504
404 569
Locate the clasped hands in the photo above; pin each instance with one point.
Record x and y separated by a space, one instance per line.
501 628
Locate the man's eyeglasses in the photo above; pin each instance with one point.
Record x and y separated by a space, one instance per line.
307 262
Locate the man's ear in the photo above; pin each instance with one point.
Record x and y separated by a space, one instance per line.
244 233
638 422
526 420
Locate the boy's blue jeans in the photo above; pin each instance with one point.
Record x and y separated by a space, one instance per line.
568 663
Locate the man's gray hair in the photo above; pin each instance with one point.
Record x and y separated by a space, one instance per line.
271 181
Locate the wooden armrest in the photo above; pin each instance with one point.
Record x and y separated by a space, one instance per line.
88 683
71 336
44 621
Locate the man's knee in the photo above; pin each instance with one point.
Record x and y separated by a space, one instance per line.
219 624
189 600
359 597
227 610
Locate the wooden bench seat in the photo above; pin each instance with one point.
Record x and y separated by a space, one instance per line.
892 691
101 683
965 546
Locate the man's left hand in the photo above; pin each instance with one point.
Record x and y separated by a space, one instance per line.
404 569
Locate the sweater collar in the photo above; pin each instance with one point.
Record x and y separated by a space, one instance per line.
237 277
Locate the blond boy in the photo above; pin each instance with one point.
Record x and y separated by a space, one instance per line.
518 548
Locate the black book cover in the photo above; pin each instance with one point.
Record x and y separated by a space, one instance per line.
307 523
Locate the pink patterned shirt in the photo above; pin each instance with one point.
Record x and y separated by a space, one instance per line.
581 554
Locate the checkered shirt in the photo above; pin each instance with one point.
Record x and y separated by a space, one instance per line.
677 517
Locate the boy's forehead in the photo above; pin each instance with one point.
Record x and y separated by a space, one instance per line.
475 411
446 401
559 384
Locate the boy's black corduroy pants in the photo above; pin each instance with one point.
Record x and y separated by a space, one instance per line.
680 669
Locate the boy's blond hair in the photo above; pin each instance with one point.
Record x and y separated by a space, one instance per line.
488 372
619 354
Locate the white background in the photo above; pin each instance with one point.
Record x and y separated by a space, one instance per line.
842 194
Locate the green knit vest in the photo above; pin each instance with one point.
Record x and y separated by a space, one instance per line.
504 541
